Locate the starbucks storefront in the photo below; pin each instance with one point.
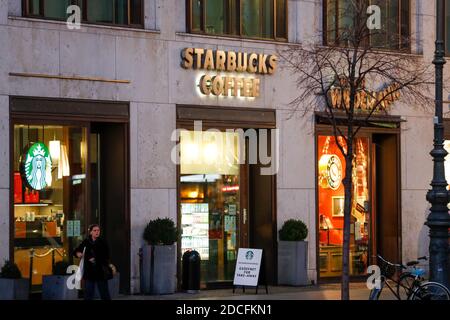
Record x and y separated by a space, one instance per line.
64 180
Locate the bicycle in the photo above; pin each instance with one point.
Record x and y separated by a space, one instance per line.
412 283
408 279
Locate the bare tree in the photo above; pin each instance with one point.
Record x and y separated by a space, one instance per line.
332 79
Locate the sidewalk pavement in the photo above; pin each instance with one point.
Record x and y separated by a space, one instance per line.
358 291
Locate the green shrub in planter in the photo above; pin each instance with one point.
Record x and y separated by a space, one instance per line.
161 232
293 254
10 271
159 257
293 230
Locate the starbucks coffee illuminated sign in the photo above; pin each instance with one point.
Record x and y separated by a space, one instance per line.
243 68
37 166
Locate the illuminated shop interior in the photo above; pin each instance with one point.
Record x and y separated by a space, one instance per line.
331 170
209 196
49 195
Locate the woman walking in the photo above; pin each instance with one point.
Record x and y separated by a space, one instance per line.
96 264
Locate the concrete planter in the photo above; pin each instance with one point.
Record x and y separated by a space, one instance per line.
14 289
113 287
159 271
55 288
293 263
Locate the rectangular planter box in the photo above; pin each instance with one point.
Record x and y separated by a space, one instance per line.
164 270
293 263
55 288
14 289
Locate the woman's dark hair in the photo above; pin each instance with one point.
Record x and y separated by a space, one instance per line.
92 226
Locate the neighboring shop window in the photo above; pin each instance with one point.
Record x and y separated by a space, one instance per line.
118 12
395 20
331 169
49 195
262 19
447 27
447 164
210 196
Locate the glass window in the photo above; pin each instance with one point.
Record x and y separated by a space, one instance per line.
56 9
100 11
196 15
215 16
257 18
447 27
50 195
281 18
210 200
120 12
394 34
331 168
263 19
136 12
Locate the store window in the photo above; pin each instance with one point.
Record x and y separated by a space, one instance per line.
261 19
394 34
116 12
210 192
447 27
331 168
50 195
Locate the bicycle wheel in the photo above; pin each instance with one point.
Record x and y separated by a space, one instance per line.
430 291
405 285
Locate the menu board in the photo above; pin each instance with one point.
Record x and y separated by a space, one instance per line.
195 226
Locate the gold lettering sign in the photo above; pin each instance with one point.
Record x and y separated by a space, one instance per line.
364 100
228 61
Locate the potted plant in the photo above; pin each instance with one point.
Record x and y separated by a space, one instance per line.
54 287
159 262
293 253
13 286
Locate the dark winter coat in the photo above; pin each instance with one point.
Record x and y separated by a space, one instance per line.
98 249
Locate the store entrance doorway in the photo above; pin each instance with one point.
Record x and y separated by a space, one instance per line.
109 185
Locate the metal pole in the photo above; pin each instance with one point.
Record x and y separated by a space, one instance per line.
439 220
30 283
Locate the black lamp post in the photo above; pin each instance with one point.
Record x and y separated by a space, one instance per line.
439 219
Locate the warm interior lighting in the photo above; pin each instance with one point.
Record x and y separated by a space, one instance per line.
193 194
64 167
55 150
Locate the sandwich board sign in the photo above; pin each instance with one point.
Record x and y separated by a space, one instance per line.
248 265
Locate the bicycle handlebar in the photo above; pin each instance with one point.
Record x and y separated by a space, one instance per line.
390 263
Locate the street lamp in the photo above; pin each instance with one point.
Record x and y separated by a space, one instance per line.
439 219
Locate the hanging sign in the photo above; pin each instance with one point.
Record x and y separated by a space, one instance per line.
37 167
232 62
247 269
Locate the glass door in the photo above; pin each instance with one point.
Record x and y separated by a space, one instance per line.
212 193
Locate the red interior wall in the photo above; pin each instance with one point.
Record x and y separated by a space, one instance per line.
325 196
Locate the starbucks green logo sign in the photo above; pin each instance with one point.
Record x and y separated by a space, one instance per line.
37 166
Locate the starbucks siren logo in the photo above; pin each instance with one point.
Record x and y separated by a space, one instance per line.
38 166
249 255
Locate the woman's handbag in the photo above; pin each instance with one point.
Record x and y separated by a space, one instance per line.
108 272
80 270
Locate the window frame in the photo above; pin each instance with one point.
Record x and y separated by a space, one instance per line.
189 22
405 49
27 13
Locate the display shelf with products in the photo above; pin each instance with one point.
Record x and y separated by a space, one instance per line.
195 226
